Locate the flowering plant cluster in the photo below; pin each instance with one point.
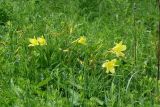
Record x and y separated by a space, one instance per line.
37 41
109 65
118 50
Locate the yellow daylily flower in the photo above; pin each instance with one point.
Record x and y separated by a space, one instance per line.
110 66
118 49
42 41
82 40
33 42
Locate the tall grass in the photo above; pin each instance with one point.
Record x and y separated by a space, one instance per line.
63 73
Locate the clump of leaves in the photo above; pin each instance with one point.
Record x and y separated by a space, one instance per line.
4 17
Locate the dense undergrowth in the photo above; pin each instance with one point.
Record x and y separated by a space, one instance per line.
65 72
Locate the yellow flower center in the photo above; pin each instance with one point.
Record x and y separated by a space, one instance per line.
118 49
33 42
110 66
42 41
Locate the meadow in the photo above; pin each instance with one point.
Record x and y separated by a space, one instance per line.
79 53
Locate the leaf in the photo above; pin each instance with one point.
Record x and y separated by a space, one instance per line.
100 102
76 85
44 82
75 97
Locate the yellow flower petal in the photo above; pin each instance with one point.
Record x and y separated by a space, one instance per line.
124 47
120 54
112 70
103 65
82 40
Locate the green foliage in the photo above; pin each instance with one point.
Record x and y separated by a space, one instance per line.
3 17
5 12
65 74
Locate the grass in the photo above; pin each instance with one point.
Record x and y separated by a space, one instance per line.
66 74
